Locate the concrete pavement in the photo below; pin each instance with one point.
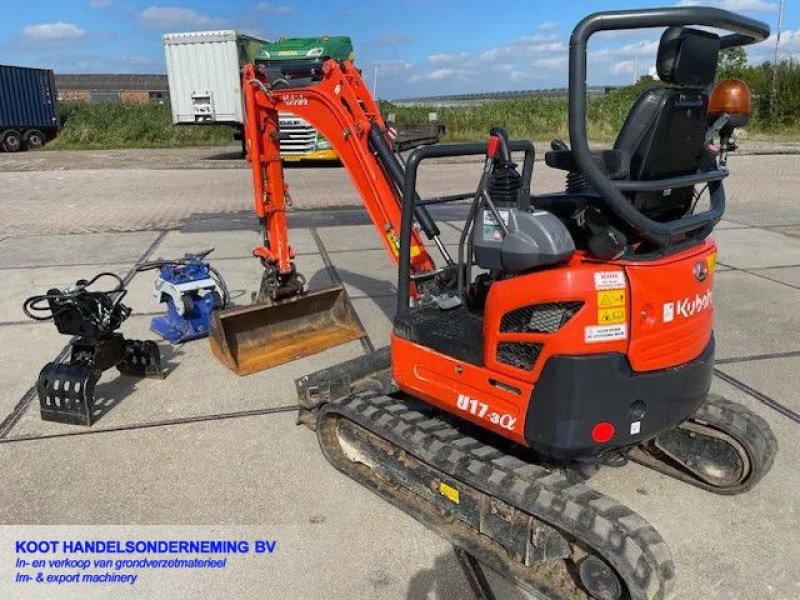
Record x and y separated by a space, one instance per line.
204 447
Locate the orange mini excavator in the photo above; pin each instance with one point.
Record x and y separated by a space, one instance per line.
571 330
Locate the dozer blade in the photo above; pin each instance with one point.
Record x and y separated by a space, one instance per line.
248 339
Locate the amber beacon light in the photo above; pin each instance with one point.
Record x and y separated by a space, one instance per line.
730 97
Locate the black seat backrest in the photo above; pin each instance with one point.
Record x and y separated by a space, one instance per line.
664 132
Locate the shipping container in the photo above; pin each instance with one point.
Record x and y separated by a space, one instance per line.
28 108
204 73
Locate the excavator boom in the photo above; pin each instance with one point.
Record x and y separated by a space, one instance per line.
287 323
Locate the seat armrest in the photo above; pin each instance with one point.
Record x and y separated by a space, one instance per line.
616 163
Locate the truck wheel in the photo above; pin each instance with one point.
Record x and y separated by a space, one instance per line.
34 139
11 141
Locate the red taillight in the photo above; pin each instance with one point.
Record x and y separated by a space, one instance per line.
494 146
602 432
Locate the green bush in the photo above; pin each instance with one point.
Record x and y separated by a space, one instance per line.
117 125
102 125
539 118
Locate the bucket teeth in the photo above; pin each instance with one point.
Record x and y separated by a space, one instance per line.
66 393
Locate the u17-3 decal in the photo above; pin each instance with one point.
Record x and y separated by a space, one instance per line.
481 410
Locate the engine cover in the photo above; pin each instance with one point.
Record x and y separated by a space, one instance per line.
535 239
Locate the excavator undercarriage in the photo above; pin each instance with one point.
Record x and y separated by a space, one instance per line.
530 519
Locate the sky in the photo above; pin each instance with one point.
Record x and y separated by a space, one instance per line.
418 47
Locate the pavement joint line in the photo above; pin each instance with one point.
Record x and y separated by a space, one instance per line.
760 396
258 412
771 268
752 271
757 357
51 265
22 406
366 342
102 231
760 276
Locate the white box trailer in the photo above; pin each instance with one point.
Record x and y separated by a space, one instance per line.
204 73
205 88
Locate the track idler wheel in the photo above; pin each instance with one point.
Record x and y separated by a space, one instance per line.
600 580
723 448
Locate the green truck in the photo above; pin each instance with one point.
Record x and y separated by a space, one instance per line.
204 72
298 62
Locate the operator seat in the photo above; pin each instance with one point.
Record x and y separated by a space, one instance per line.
664 133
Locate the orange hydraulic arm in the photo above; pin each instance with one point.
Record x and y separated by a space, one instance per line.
342 110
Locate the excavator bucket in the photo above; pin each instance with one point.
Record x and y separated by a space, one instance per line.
252 338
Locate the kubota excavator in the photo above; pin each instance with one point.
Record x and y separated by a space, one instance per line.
572 328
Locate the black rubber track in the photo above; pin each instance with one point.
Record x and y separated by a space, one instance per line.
746 427
611 530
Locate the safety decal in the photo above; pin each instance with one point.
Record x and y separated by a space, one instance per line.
711 261
450 493
611 316
611 298
609 280
611 307
605 333
394 244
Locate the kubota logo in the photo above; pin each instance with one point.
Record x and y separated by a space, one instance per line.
687 307
701 270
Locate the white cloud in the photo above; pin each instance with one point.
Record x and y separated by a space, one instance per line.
444 74
274 9
644 48
559 62
623 66
527 47
171 16
99 3
734 5
765 51
440 74
548 26
51 34
447 59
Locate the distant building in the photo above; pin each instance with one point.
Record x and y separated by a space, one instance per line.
139 89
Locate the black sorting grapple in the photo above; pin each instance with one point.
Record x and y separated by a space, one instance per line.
66 389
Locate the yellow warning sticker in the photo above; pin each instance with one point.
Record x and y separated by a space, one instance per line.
450 493
394 244
611 316
711 261
610 298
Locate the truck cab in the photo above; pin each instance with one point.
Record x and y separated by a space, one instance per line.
297 62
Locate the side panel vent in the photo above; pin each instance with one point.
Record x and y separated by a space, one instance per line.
521 356
539 318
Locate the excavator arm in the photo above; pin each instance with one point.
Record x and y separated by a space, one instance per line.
288 322
341 109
